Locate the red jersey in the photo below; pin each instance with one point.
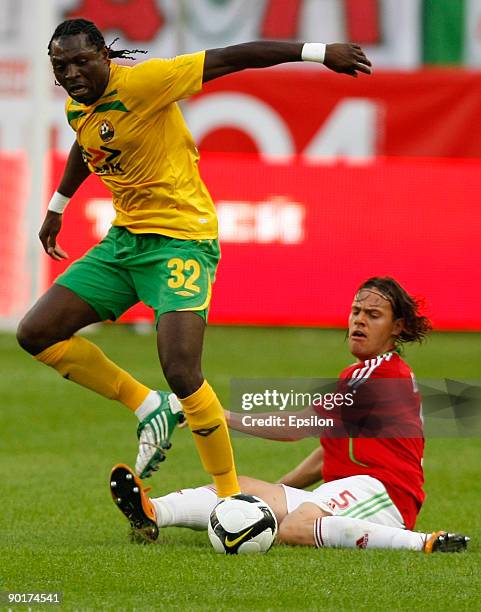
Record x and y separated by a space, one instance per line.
395 461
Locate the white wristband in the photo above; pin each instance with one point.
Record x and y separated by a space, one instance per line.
58 203
313 52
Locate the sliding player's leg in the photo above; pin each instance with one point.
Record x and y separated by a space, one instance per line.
345 532
309 525
184 508
189 508
357 512
192 507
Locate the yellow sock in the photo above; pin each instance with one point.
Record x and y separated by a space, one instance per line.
79 360
206 419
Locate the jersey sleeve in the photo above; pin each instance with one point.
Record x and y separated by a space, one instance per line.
156 83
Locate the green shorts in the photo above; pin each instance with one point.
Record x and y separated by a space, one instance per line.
165 273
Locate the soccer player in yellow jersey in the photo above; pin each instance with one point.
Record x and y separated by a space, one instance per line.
162 249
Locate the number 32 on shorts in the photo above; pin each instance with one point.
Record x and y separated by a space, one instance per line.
183 276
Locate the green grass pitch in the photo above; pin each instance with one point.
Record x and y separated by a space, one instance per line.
61 532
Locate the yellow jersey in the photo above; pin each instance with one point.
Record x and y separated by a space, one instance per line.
135 140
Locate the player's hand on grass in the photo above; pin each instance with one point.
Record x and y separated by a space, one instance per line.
346 58
48 236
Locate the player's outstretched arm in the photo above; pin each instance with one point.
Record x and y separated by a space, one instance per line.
75 173
308 472
345 58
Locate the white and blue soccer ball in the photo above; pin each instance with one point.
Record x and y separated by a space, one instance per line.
242 524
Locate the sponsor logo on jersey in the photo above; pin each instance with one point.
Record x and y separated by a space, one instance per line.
103 160
106 130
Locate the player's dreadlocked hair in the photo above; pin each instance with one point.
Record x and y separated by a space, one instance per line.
405 306
83 26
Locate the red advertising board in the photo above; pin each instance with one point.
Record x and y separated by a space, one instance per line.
14 273
427 113
298 238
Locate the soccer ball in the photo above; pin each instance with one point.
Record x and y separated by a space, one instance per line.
242 524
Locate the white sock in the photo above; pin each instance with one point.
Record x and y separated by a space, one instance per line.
150 403
342 531
186 508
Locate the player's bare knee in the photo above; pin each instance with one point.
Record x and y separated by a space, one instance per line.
30 337
34 335
297 528
182 379
288 530
296 531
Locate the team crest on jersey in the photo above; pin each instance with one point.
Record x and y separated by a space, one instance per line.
106 130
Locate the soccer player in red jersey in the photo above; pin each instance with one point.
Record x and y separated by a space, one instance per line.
372 490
